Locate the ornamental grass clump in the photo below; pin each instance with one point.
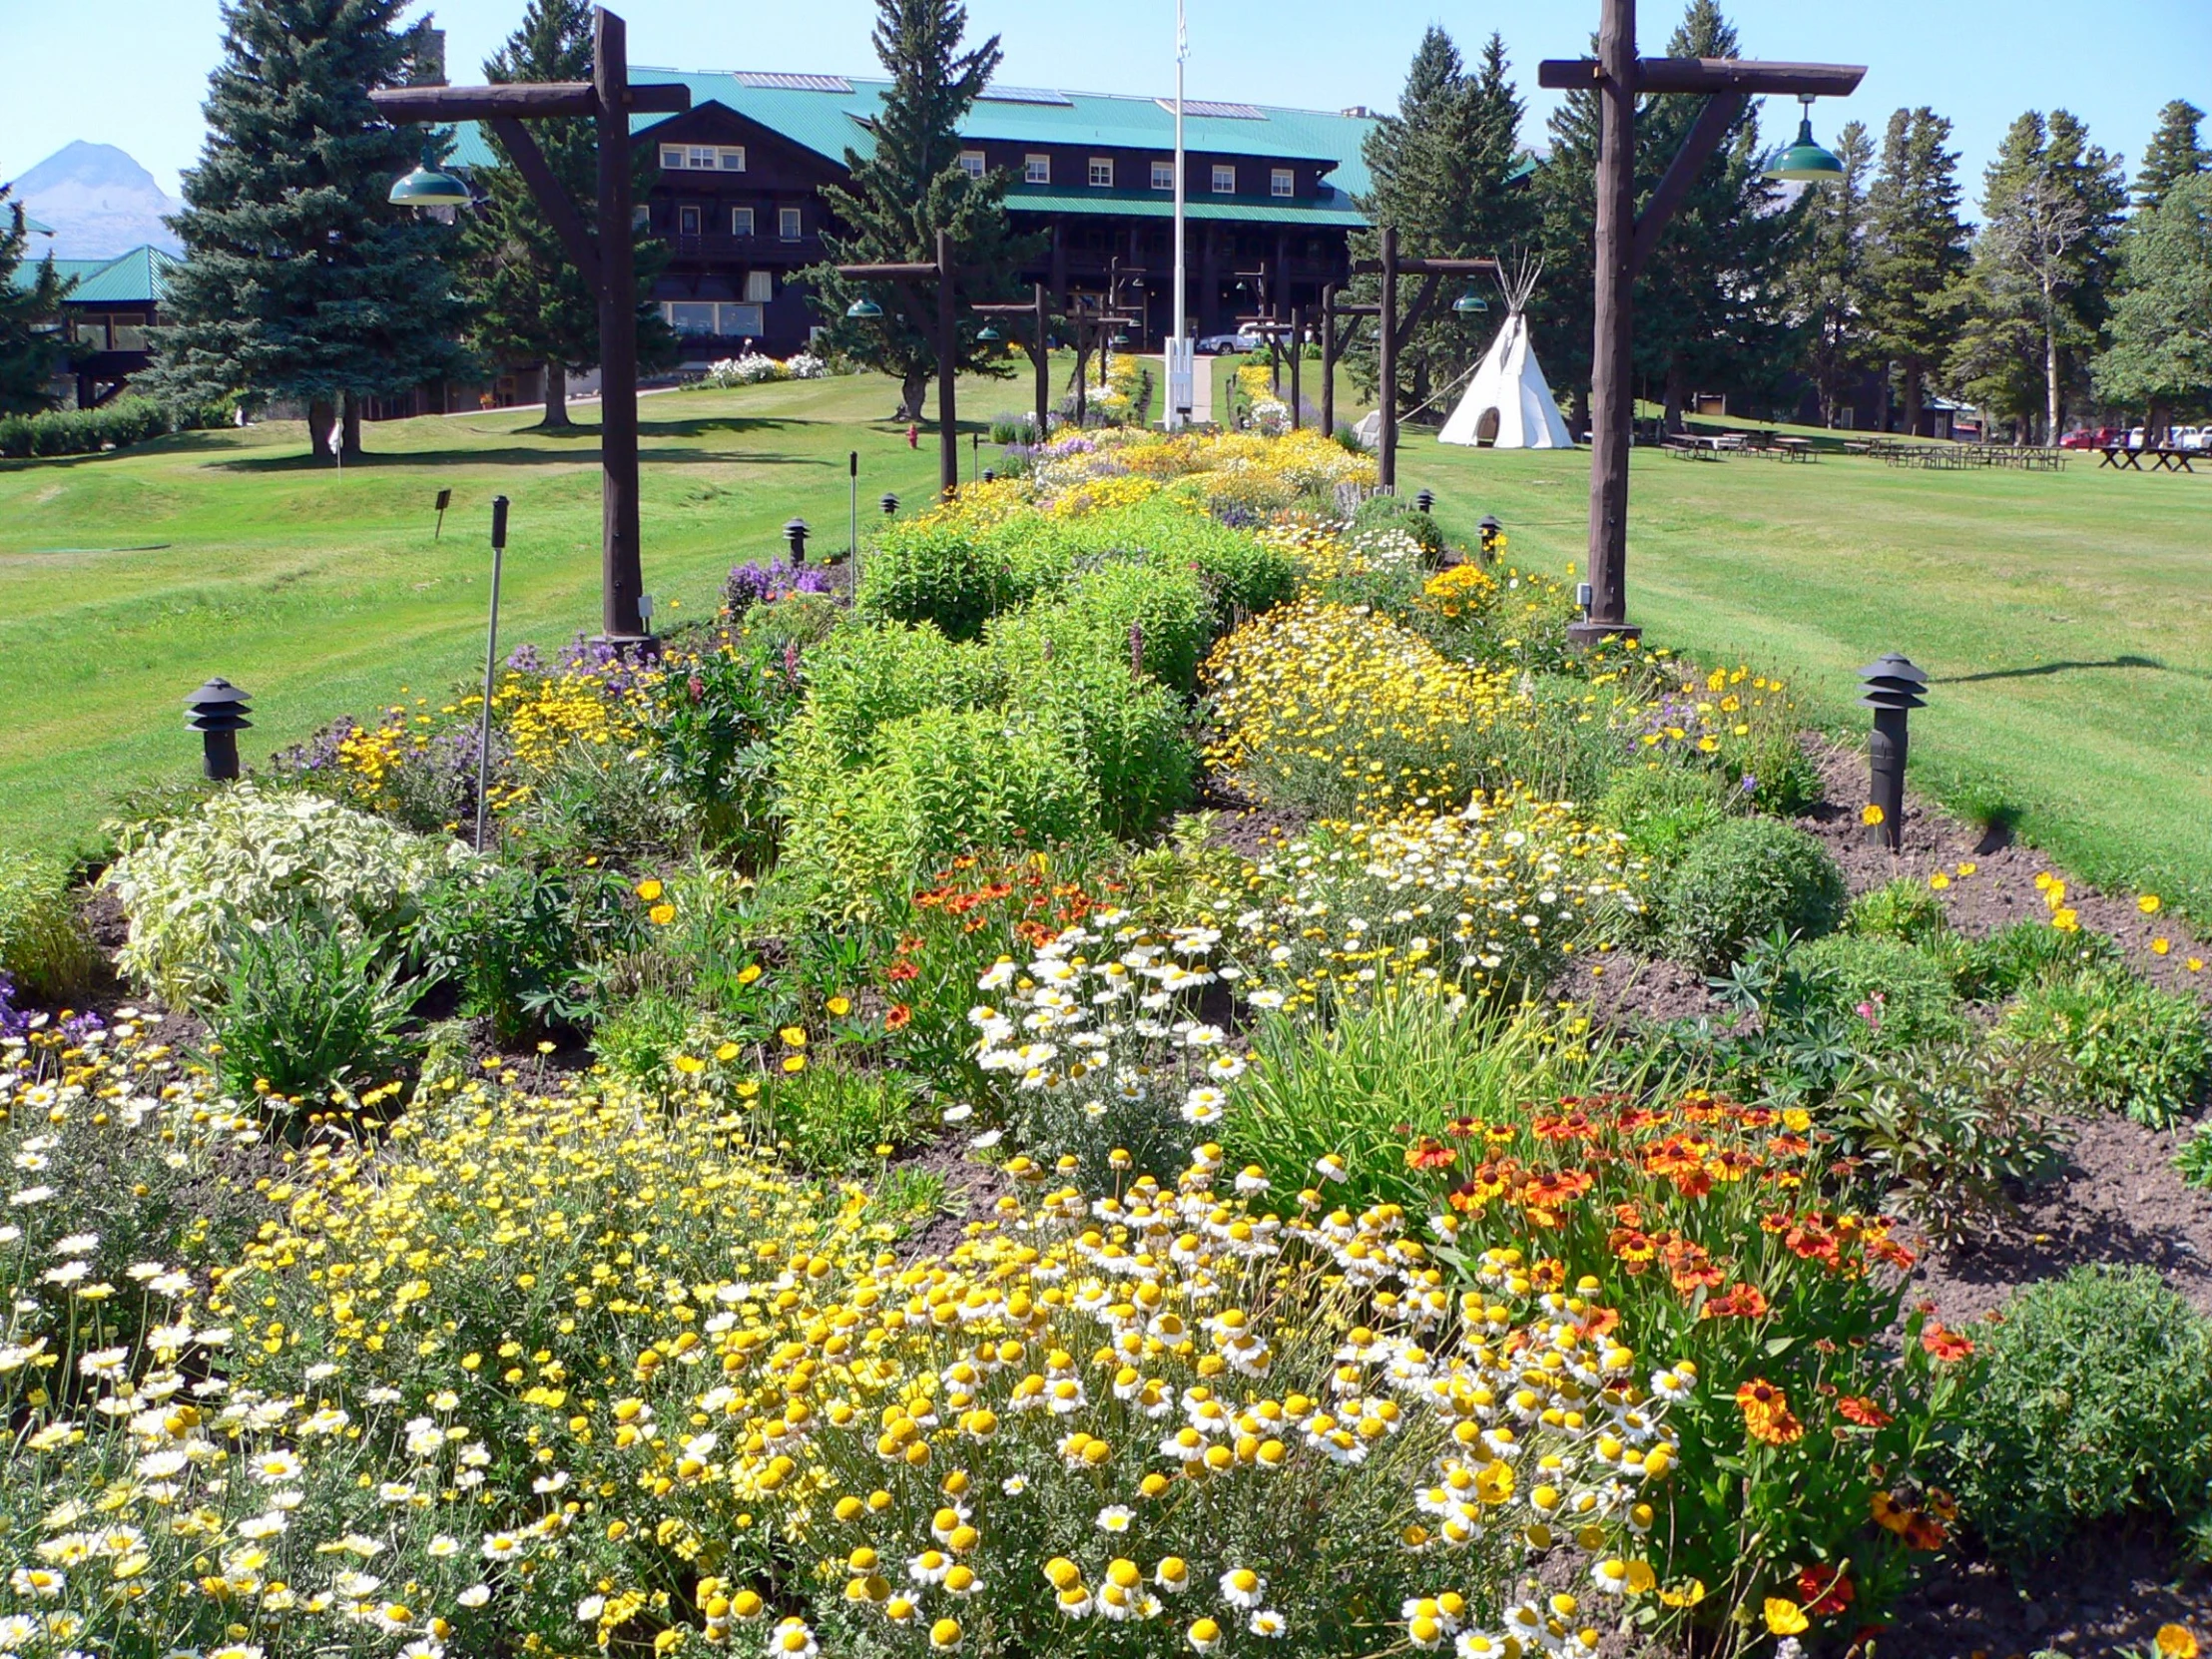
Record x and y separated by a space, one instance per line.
44 946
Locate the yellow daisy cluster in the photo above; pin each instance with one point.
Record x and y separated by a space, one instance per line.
1463 593
369 756
1705 711
543 714
1347 709
1104 493
1458 906
1114 392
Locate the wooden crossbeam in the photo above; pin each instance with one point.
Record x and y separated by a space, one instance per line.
532 99
1746 75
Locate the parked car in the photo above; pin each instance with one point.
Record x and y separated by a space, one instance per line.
2135 438
2193 437
1229 343
2081 437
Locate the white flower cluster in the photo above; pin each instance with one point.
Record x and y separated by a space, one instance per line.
752 369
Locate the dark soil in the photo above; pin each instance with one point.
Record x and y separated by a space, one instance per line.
972 1189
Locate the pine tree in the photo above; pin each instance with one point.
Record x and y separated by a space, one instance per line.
2051 208
1710 304
908 187
1443 171
2160 360
2174 153
301 281
1828 285
1918 250
32 349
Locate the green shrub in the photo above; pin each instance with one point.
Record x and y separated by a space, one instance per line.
1908 990
2022 953
2135 1048
44 947
1743 879
1784 781
713 722
939 571
2095 1402
127 420
862 678
832 1121
944 781
1662 808
636 1040
195 885
310 1016
1904 910
597 802
512 945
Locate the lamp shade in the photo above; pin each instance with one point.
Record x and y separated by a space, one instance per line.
428 188
864 307
988 333
1470 302
1804 159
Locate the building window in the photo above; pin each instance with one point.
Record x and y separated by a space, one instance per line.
688 316
787 224
1163 175
687 222
759 287
1036 170
1102 172
1225 179
741 222
1280 181
972 162
743 321
702 158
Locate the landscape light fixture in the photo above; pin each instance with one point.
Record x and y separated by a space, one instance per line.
889 504
864 307
1893 687
988 335
1424 501
426 187
217 710
796 533
491 670
1806 160
1470 304
1491 533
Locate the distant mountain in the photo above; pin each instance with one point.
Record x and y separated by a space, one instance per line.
99 202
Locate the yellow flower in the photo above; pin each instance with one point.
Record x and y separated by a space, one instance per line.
2176 1641
1938 881
660 915
650 888
728 1052
2196 964
690 1066
1870 815
1688 1593
750 972
1967 869
795 1062
1785 1617
2159 947
792 1037
2148 905
840 1007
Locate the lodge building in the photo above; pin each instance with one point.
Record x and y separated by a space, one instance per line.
737 196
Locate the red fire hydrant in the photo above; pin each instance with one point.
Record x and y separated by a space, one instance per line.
913 436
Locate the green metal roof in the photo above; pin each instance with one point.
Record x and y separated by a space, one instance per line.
36 227
68 271
139 277
831 121
1333 211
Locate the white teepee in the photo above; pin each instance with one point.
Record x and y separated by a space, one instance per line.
1507 406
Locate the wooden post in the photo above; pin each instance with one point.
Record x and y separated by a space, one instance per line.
1328 359
1044 370
1613 407
1298 352
948 433
622 577
1386 472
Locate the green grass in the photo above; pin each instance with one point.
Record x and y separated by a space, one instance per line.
127 579
2065 618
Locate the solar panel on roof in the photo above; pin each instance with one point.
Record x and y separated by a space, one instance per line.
1027 94
779 81
1219 111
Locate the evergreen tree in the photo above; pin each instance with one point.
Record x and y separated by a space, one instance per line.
2160 359
528 300
1828 285
1710 309
1917 252
2174 153
32 349
300 279
1444 170
908 187
2052 204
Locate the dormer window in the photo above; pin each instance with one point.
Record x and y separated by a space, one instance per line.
1281 180
702 158
1102 172
1225 179
972 162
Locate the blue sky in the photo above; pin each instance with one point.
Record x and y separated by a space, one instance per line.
133 71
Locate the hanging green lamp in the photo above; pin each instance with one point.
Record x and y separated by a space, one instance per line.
1470 304
864 307
988 335
426 187
1806 160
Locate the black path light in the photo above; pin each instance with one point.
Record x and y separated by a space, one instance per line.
217 710
1893 690
1424 501
1492 534
796 533
491 671
889 503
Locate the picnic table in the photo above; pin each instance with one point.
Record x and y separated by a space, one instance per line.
1695 446
2164 459
1796 449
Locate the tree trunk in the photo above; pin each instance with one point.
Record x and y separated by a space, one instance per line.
2050 377
1580 412
1881 401
1912 400
322 415
1675 395
349 438
556 397
914 387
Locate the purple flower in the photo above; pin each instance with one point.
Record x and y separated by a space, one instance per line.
523 659
758 584
1750 784
12 1021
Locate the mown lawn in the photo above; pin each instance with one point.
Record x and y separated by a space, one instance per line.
2066 619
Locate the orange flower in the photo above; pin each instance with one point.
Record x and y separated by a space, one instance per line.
1865 1412
1767 1413
1746 1302
1427 1154
1824 1590
1889 1514
900 1017
1947 1345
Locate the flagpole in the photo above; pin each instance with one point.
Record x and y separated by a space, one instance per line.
1182 51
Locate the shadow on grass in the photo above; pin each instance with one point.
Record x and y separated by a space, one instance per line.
657 455
2041 669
